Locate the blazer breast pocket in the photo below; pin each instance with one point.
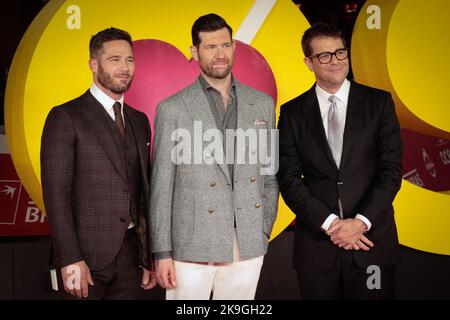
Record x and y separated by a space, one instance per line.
260 124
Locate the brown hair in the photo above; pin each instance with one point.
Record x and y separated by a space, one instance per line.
319 30
110 34
208 23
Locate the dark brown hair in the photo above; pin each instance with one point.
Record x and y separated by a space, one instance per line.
319 30
208 23
110 34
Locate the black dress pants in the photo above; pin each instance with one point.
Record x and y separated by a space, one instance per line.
347 281
121 279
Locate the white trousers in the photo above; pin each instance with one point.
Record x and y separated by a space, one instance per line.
227 281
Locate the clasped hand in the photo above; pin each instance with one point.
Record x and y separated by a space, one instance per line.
349 234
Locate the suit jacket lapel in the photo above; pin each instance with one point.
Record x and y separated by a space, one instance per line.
311 112
96 120
246 108
200 110
245 115
139 135
354 112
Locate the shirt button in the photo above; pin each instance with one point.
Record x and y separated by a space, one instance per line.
211 210
122 219
212 184
253 179
340 183
257 205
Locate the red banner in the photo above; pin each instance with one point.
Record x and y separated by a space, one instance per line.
19 215
426 161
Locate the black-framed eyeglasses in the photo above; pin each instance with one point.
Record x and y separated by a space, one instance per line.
325 57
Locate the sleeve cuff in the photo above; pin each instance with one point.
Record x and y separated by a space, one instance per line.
365 220
162 255
326 225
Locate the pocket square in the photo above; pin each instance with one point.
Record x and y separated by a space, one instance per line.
260 122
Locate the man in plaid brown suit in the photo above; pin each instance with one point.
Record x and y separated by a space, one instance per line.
95 179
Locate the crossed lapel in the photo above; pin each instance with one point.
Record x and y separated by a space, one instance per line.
199 109
246 108
246 115
91 111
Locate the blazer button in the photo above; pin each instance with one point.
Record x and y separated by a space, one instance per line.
253 179
211 210
212 184
122 219
126 190
257 205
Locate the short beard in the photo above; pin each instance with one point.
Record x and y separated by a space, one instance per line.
107 81
216 75
210 72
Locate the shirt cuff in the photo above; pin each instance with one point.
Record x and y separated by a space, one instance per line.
162 255
326 225
365 220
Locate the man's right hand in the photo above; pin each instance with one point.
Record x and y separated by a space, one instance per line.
76 277
165 273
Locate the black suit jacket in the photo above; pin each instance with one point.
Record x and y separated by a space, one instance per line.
84 181
369 177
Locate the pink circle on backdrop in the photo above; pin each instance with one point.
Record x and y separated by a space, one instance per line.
162 70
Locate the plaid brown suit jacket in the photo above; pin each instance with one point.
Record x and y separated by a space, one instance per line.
85 187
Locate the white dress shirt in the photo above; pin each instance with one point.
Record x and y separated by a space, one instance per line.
106 101
324 105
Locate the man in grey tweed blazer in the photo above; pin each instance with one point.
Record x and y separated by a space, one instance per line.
211 219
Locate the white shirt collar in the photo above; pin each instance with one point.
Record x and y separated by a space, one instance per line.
341 101
106 101
341 94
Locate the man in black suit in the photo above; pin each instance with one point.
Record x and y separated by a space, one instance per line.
95 161
340 169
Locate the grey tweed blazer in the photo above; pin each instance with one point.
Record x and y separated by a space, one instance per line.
193 205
